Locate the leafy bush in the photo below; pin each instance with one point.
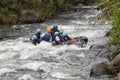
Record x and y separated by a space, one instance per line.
112 13
45 8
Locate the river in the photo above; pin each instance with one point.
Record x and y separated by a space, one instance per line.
21 60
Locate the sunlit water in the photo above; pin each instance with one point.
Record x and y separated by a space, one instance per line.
23 61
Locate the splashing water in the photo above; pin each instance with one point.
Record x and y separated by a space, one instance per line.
24 61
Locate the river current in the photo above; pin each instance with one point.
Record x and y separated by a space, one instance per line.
21 60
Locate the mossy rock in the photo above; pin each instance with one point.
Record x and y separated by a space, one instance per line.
112 55
102 69
109 69
27 16
116 62
113 51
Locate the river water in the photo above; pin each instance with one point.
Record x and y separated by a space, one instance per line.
21 60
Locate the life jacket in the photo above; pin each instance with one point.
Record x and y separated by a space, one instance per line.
52 34
46 37
61 39
38 35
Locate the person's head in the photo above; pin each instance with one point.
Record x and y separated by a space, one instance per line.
34 37
38 30
56 33
55 27
48 30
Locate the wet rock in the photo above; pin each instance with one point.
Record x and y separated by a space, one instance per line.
109 32
1 38
112 49
15 27
103 53
100 50
29 17
102 69
116 62
96 47
118 76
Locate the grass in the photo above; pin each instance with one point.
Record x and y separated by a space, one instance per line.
112 13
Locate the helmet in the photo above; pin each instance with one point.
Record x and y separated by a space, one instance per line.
48 30
38 30
64 34
34 37
61 32
55 26
56 33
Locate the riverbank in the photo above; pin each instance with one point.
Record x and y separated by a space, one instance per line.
111 12
19 12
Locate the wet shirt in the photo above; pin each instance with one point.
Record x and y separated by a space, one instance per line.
52 34
58 38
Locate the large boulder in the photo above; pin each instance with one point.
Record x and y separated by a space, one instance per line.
103 53
102 69
29 17
116 62
100 50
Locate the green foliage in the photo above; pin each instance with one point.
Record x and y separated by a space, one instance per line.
112 12
45 8
108 69
116 29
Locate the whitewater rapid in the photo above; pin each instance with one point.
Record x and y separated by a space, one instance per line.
21 60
